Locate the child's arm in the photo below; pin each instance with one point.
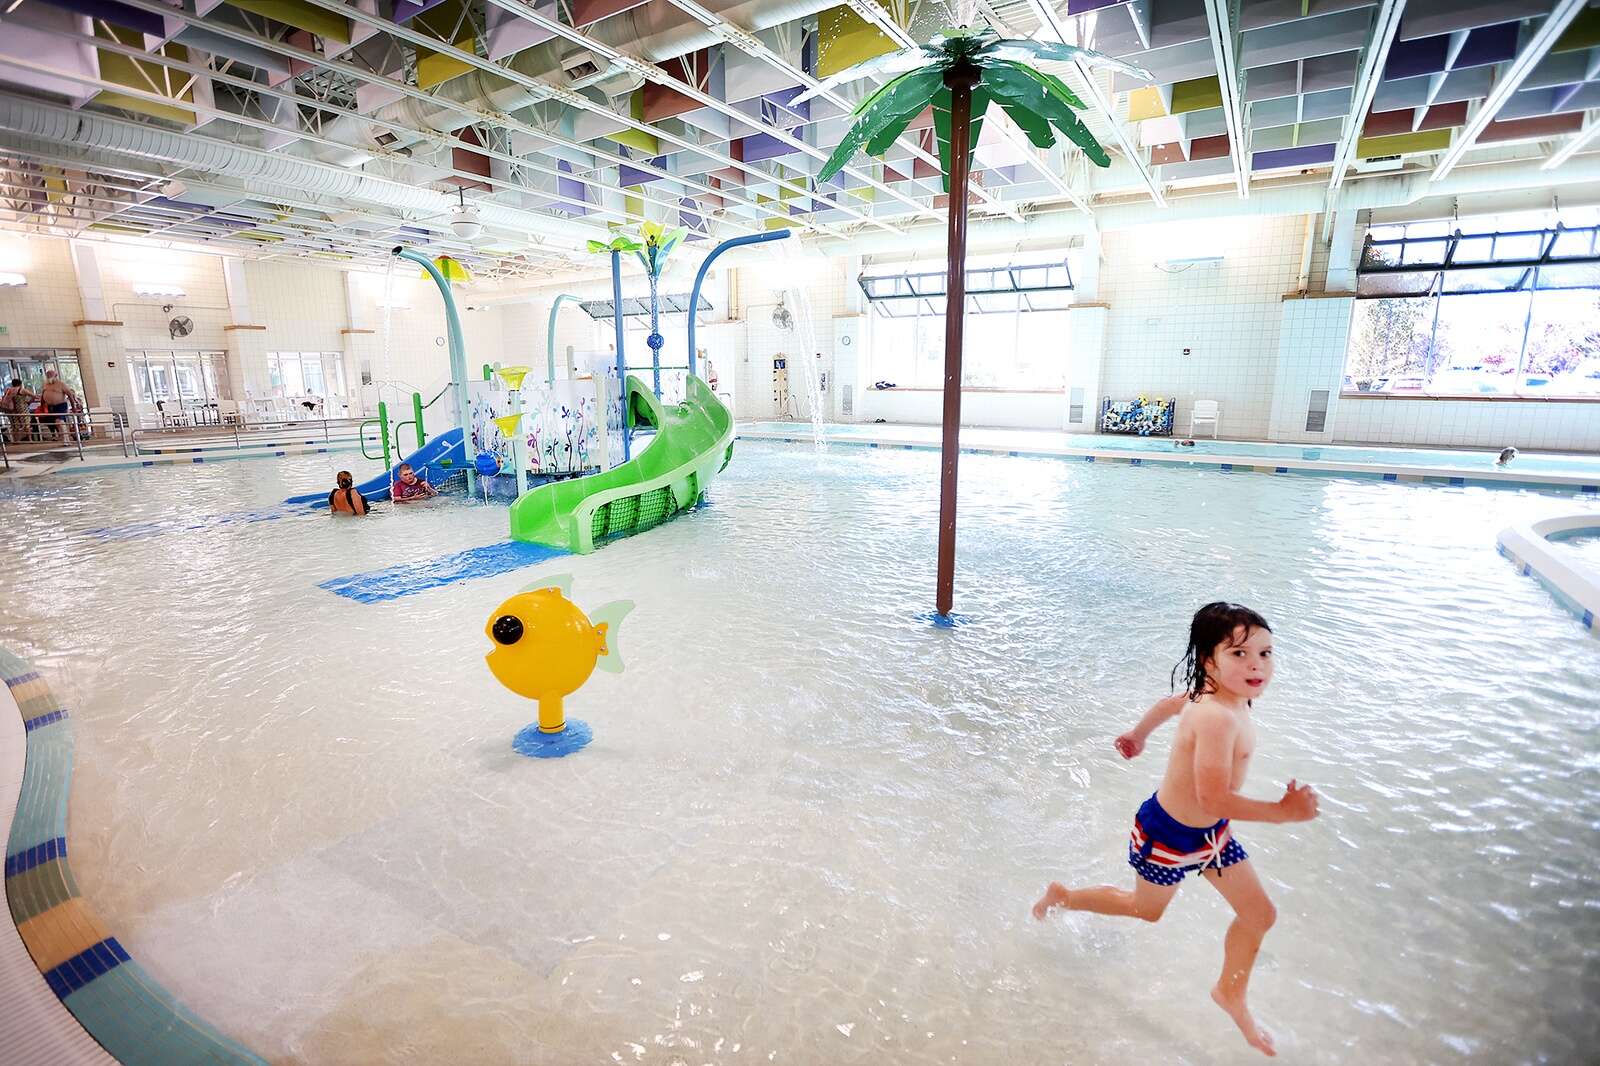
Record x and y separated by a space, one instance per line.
1131 743
1214 734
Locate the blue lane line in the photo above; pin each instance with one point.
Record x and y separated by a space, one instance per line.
409 579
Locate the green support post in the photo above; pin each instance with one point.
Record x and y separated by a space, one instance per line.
488 372
383 433
416 415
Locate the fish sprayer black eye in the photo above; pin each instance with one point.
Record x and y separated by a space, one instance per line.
507 629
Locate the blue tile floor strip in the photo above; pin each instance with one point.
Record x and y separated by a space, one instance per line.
85 966
43 720
28 858
138 530
408 579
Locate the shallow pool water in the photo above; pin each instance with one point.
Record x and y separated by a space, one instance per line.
810 827
1587 550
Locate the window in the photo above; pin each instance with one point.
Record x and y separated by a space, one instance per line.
1507 305
305 374
1014 334
189 376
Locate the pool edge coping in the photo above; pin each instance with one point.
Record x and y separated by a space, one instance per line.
1527 546
108 1006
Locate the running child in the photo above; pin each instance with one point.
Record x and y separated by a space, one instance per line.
1186 825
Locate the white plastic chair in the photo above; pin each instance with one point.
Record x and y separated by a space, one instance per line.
1204 411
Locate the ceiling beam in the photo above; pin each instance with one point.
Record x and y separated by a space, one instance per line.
1220 19
638 66
1511 79
1052 23
1384 26
1577 143
751 45
559 94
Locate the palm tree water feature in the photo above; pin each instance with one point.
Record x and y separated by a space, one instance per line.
963 71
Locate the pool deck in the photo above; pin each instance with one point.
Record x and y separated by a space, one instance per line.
1045 444
1527 546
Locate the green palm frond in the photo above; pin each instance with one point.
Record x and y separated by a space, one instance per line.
1039 103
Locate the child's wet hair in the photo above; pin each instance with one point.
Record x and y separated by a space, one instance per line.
345 480
1213 625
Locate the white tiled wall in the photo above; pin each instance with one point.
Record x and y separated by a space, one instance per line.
1227 314
40 314
1471 423
145 323
1311 348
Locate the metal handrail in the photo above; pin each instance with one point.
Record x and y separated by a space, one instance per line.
256 429
438 394
82 424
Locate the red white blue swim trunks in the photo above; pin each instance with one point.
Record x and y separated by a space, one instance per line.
1162 849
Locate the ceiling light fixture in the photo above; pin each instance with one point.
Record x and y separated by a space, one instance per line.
464 219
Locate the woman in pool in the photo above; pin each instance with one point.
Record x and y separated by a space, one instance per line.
1186 825
345 499
409 488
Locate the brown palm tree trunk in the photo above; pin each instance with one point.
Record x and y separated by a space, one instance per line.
960 80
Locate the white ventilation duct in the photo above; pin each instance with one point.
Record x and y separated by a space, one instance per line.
44 128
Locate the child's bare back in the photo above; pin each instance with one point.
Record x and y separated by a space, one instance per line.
1187 824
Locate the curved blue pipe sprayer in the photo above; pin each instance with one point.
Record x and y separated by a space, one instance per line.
550 336
694 297
458 354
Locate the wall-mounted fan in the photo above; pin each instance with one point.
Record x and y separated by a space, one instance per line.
180 326
781 317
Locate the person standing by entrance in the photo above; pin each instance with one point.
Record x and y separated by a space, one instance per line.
14 406
58 399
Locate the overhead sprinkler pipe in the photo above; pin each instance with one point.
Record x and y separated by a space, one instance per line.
699 278
458 354
550 335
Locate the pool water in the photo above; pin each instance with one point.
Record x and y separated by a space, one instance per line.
1587 551
1457 459
810 827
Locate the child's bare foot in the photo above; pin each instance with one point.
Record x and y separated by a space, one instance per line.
1054 896
1256 1037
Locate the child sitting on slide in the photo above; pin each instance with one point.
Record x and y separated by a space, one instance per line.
409 488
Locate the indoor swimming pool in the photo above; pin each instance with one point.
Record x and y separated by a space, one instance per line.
810 825
1452 459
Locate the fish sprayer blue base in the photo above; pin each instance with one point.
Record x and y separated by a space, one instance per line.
529 741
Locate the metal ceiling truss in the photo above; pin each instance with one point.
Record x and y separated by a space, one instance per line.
1329 90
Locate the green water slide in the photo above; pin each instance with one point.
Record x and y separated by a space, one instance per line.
693 444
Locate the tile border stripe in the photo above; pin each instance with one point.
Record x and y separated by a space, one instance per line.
132 1017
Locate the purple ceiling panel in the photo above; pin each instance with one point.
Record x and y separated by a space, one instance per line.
410 9
1488 44
1078 7
782 97
571 191
1562 96
759 146
1424 55
629 176
1304 156
117 14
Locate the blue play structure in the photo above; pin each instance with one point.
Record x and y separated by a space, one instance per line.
435 461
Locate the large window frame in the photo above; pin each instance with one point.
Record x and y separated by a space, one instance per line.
1014 306
1469 296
